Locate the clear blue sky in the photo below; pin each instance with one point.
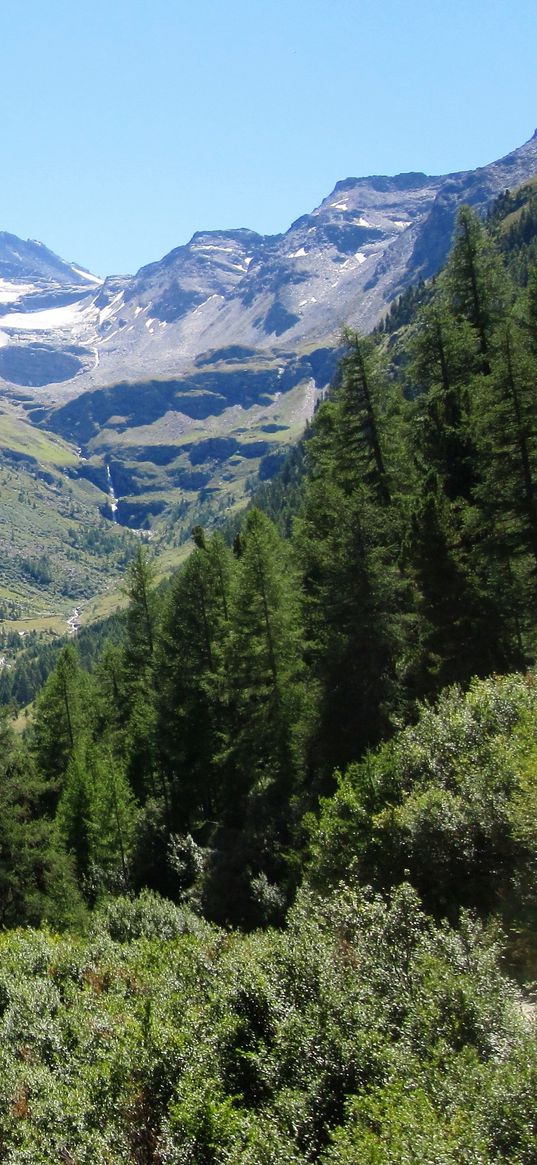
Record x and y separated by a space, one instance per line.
126 125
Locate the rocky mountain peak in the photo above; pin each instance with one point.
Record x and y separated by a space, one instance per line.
340 263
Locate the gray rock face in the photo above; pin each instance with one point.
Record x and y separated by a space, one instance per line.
62 333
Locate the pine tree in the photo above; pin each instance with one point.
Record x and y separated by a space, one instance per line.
260 763
506 435
475 281
451 362
530 313
349 539
113 817
74 814
443 358
141 616
137 683
62 719
96 820
262 666
189 659
358 453
36 879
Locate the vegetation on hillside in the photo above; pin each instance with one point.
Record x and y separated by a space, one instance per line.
323 735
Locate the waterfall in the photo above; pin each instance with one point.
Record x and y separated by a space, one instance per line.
111 493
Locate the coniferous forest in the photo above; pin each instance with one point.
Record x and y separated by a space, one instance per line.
268 865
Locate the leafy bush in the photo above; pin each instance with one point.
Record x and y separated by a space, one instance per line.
147 916
450 803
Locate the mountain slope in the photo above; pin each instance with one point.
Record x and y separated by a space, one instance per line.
185 383
342 263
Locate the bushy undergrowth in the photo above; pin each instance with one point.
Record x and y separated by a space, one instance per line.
363 1032
451 804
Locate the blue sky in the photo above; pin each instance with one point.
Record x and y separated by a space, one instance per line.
126 126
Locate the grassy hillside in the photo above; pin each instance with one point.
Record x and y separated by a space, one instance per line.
57 549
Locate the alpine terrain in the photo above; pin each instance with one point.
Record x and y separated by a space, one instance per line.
154 400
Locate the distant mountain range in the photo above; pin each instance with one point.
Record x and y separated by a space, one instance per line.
192 373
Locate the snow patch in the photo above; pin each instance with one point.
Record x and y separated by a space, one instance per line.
362 222
42 321
211 247
340 206
205 302
112 308
87 275
361 258
300 254
10 292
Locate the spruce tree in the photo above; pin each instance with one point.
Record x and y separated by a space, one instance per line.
137 682
36 877
260 762
189 659
62 719
349 540
262 667
475 281
506 435
451 349
141 616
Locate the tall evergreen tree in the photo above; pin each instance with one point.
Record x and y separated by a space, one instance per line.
475 281
36 877
451 352
62 719
262 667
261 754
189 660
96 819
349 538
443 356
141 616
137 685
358 454
506 433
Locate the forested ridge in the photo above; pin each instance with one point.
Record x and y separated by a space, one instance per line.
280 833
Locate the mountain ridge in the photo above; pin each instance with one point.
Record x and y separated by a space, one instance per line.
187 380
291 291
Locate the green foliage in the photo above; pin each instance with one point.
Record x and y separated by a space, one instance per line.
191 759
448 803
348 534
146 916
189 658
262 662
61 722
36 879
260 760
362 1031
